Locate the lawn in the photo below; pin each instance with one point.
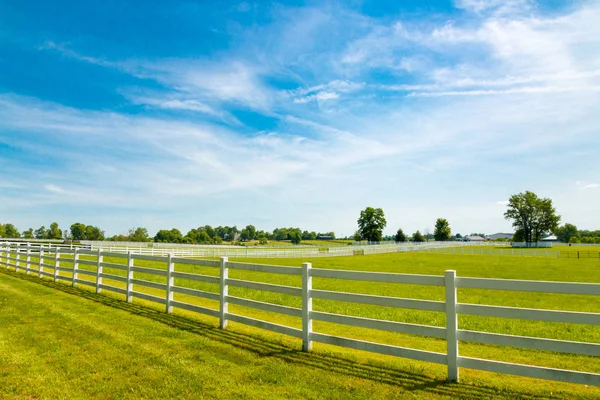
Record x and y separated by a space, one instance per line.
582 270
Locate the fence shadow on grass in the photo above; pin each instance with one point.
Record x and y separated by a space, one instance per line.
410 381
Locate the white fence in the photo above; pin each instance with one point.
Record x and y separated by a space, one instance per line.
22 259
216 251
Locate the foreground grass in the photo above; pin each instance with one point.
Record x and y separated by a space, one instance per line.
58 342
584 270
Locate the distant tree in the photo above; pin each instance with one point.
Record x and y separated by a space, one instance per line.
418 237
139 235
458 236
93 233
210 231
55 231
566 232
574 239
41 233
532 214
519 236
251 232
296 236
10 231
442 230
78 231
371 223
217 239
244 235
28 234
165 236
263 240
400 236
357 237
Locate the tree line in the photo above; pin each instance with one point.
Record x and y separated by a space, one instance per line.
202 235
532 217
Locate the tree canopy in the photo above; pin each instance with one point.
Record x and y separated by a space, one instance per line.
371 223
400 236
566 232
442 230
418 237
531 215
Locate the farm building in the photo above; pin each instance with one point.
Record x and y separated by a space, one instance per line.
550 238
496 236
474 238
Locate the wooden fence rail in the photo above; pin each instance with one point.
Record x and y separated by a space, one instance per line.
49 258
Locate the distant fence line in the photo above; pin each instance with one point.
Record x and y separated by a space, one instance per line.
87 268
215 251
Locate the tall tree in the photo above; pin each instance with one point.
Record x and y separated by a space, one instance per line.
41 233
531 214
400 236
371 223
418 237
139 235
295 236
78 231
93 233
28 234
10 231
566 232
55 232
442 230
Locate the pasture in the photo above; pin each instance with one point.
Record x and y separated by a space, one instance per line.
528 268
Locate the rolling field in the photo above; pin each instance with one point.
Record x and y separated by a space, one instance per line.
553 269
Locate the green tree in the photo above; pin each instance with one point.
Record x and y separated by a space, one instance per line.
28 234
295 236
263 241
139 235
93 233
55 232
10 231
371 223
165 236
533 215
418 237
251 232
400 236
78 231
566 232
442 230
41 233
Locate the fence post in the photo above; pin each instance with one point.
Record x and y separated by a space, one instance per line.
56 263
224 293
451 326
40 261
18 257
99 271
28 259
75 267
306 306
5 249
170 282
128 294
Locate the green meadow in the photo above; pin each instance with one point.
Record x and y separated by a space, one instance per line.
36 313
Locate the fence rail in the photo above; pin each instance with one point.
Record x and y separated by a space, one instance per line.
23 259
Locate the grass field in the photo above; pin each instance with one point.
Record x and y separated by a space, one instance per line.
582 270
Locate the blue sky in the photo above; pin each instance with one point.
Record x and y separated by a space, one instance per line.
180 114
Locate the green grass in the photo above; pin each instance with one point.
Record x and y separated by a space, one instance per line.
582 270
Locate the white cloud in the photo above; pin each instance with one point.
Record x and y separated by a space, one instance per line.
320 96
496 6
54 189
503 202
592 186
